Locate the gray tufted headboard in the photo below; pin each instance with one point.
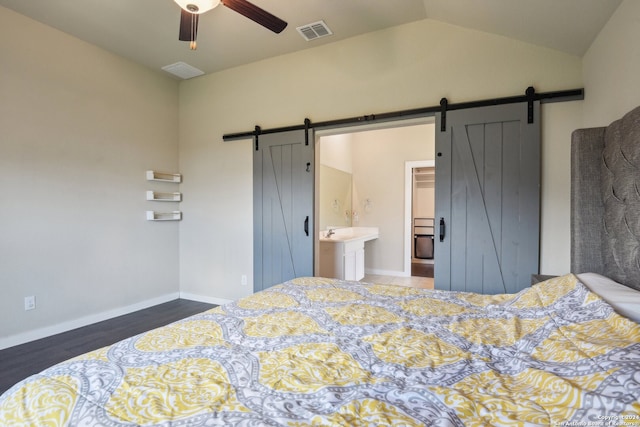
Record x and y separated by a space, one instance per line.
605 200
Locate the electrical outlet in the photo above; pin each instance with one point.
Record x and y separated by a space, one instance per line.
243 280
29 303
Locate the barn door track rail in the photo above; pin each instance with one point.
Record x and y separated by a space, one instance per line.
530 96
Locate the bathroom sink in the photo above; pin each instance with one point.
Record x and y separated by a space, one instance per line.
349 234
342 253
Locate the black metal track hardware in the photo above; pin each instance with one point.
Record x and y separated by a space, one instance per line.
530 93
546 97
443 114
307 124
256 133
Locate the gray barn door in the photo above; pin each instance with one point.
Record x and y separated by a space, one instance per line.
282 208
487 199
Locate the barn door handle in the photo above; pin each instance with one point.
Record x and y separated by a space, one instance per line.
306 225
442 229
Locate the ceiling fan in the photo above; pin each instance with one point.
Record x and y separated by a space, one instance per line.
192 9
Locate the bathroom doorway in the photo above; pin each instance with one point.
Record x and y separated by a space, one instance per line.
375 158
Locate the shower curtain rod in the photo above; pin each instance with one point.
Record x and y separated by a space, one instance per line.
530 96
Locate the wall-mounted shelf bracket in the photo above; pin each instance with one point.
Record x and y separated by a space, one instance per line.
164 216
163 176
164 197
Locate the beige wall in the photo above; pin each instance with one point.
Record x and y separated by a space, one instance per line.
336 152
555 219
78 128
612 68
379 177
408 66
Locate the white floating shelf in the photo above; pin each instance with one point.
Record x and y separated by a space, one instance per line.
162 176
164 197
164 216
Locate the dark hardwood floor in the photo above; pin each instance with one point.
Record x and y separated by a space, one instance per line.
17 363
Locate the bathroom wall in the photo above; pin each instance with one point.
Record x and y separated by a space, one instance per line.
335 181
334 199
377 159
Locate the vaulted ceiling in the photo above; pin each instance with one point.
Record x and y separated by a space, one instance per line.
146 31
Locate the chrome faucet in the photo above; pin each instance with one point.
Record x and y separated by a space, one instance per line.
330 233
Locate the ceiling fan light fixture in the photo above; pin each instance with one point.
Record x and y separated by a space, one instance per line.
192 9
197 6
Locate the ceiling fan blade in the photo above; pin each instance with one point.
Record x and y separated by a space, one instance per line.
188 26
253 12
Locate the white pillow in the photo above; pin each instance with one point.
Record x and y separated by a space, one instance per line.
623 299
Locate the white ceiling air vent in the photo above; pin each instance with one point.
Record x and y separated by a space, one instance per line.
315 30
183 70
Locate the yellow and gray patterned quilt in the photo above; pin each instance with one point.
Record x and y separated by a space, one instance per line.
323 352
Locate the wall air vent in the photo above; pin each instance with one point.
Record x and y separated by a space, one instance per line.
183 70
315 30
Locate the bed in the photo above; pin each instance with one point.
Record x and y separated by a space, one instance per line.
327 352
316 351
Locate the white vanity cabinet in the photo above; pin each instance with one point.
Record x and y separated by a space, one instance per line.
342 254
342 260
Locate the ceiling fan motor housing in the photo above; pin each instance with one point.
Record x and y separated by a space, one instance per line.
197 6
